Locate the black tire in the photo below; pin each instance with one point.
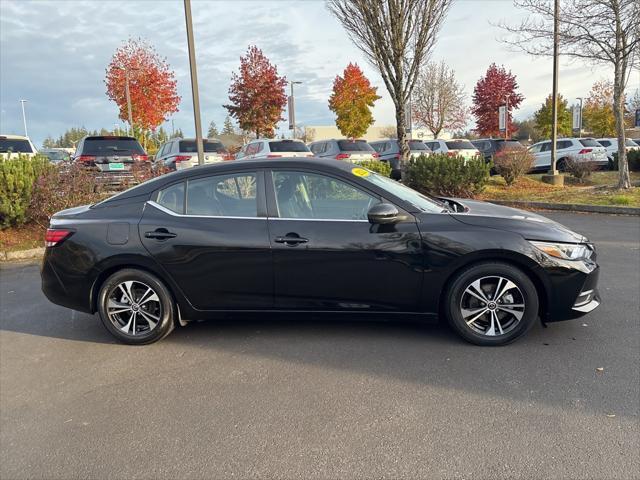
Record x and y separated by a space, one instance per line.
163 309
525 293
561 165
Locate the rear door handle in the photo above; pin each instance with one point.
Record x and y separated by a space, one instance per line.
160 234
291 240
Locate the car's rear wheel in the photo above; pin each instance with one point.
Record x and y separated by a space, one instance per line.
136 307
491 304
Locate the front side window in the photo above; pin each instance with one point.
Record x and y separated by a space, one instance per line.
312 196
231 195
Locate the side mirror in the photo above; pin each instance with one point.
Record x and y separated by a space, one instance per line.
383 214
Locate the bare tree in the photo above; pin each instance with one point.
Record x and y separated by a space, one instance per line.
438 102
396 37
597 31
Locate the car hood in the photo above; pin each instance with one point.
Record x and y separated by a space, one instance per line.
528 224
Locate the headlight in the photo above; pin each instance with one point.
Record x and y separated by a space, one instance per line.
566 251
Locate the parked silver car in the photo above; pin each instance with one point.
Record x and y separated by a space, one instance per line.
273 148
181 153
353 151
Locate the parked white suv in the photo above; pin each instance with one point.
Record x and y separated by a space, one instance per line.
272 148
581 149
14 145
181 153
454 147
611 144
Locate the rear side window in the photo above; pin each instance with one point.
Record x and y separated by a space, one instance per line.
460 145
562 144
354 146
589 142
417 145
16 146
172 198
223 196
189 146
287 146
111 146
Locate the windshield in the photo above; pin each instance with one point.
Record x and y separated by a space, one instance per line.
189 146
287 146
460 145
15 146
417 145
354 146
56 155
421 202
111 146
589 142
630 143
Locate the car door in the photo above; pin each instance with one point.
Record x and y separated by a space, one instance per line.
542 155
327 256
210 234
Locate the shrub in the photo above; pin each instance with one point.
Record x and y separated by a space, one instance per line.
17 177
580 170
441 174
61 187
378 166
511 163
620 199
633 158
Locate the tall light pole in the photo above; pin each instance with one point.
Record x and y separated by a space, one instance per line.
580 121
552 176
24 118
291 108
194 81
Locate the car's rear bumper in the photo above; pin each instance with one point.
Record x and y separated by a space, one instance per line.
72 293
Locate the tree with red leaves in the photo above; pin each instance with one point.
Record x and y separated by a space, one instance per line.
351 101
491 92
257 94
152 84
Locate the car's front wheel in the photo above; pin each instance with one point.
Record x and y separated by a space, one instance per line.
136 307
491 303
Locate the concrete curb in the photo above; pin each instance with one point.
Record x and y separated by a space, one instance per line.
22 254
570 207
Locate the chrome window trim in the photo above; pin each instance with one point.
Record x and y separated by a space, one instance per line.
171 212
318 219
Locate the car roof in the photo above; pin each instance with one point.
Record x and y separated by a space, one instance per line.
14 137
327 165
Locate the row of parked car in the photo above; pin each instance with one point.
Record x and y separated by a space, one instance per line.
114 155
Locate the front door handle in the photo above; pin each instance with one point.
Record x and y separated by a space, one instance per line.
291 240
160 234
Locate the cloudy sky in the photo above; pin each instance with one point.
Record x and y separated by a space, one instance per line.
54 53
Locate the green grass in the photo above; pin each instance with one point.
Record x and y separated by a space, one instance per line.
600 190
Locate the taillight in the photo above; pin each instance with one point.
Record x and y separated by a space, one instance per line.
55 236
182 158
398 156
87 159
375 155
273 155
585 150
451 154
342 156
140 158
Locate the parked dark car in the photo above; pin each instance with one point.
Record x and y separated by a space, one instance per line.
389 151
112 157
488 147
296 235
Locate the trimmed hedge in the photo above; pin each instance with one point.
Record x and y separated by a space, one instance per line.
17 178
633 159
440 174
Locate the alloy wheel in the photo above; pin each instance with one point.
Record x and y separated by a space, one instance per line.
492 306
134 308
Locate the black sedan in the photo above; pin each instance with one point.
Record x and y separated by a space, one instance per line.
292 235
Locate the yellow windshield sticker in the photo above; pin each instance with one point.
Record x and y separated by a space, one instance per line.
360 172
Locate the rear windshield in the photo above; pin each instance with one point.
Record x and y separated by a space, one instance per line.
354 146
287 146
460 145
589 142
417 145
189 146
111 146
509 144
16 146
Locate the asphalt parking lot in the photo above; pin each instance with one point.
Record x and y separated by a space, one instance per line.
312 398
